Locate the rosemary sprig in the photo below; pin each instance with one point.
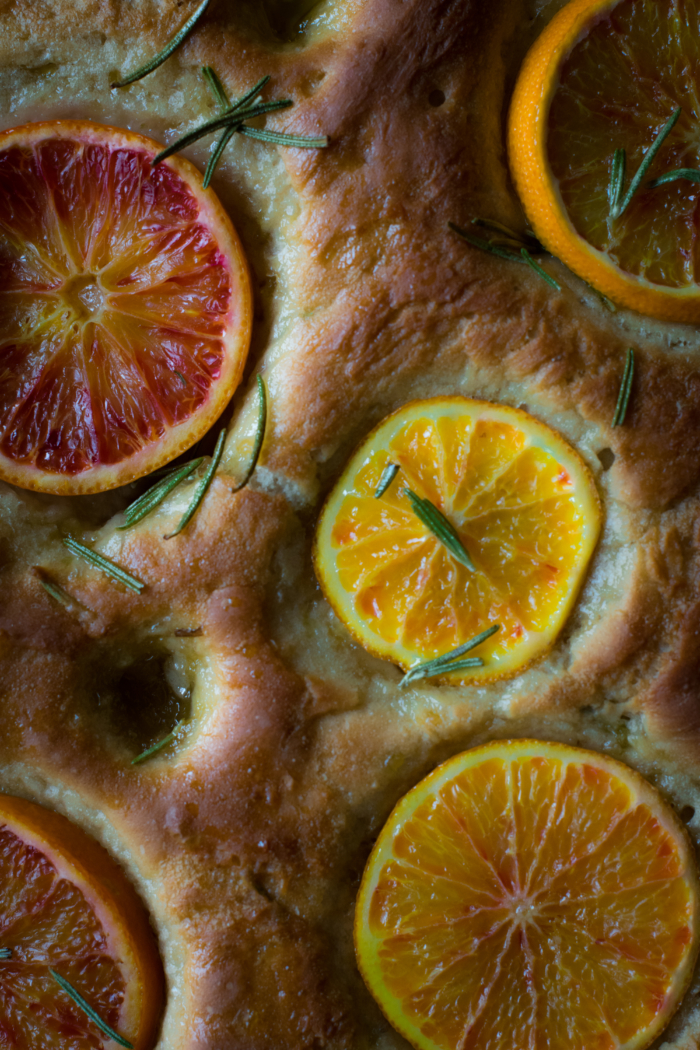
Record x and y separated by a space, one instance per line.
202 487
157 493
523 255
259 434
505 236
538 270
167 51
450 661
156 747
617 179
646 164
233 117
441 528
5 953
625 390
690 174
104 564
388 474
87 1009
277 137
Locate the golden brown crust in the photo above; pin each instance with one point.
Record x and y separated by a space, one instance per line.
247 838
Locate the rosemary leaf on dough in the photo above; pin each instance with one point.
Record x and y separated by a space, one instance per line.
104 564
167 51
156 747
202 487
623 397
259 434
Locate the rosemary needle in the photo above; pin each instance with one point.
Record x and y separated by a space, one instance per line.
104 564
156 747
689 174
5 953
623 397
157 493
442 529
507 236
202 487
281 138
450 661
233 116
538 269
167 51
87 1009
646 163
617 179
53 589
259 434
388 474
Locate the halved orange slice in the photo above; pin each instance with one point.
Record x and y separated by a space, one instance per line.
68 908
522 503
125 307
607 75
529 895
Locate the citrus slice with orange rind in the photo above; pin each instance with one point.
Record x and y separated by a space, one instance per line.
125 307
608 74
67 907
523 504
529 894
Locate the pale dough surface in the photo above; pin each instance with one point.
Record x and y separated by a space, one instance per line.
248 838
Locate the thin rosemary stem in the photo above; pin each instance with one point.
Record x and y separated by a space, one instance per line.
388 474
202 487
104 564
646 163
281 138
259 434
617 179
156 747
623 397
442 529
155 495
689 174
538 270
167 51
444 663
233 116
87 1009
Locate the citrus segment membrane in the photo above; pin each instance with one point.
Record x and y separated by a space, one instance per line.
124 307
607 75
66 907
528 894
525 509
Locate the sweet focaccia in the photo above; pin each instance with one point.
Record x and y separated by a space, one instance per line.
247 837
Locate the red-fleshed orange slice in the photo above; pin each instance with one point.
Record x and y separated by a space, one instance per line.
125 307
67 907
529 895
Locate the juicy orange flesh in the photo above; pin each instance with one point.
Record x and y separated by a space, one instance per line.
532 903
109 286
48 923
618 87
513 506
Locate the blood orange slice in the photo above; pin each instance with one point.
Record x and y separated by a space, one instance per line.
67 908
125 307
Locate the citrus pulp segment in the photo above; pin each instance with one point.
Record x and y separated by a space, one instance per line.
66 906
523 504
529 894
125 307
607 75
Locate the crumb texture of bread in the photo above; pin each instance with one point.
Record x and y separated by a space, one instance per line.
247 836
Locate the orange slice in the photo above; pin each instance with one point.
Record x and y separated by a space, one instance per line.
529 895
608 74
523 504
125 307
67 907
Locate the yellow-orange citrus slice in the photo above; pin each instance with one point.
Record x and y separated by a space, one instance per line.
529 895
608 74
125 307
66 906
523 504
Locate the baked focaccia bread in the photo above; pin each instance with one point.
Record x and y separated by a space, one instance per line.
247 837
